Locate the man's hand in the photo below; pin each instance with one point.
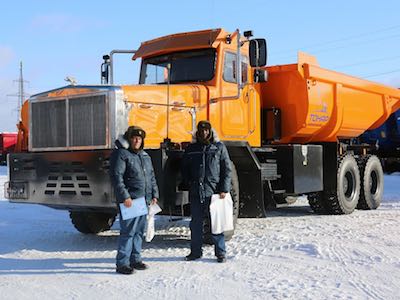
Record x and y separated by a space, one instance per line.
153 201
128 202
222 195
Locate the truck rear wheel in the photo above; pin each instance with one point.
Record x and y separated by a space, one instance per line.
345 199
91 222
371 183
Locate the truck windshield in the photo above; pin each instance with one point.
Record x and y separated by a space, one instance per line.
187 66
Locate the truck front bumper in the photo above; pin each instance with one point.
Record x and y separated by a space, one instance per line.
65 180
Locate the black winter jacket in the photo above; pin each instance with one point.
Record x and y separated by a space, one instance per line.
132 174
206 169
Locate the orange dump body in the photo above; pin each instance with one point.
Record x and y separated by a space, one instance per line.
320 105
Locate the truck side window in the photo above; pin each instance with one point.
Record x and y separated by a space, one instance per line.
156 74
229 74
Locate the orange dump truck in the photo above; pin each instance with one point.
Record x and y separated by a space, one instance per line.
289 130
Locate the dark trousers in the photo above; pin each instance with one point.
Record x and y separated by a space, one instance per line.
130 240
200 211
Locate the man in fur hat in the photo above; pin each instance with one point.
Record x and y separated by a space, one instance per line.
132 176
206 170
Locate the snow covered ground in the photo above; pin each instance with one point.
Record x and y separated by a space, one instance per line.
291 254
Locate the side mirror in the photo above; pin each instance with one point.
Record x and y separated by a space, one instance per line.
105 69
258 53
260 76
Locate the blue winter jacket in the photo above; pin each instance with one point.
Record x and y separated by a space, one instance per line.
132 175
206 169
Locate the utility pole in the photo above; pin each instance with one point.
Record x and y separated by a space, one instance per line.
21 92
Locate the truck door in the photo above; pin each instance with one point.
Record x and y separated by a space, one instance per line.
236 115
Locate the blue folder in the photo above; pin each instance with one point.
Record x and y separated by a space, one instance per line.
138 208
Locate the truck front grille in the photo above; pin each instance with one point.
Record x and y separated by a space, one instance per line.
88 121
69 123
49 128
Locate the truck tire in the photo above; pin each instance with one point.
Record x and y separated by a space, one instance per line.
207 239
91 222
317 202
371 191
347 194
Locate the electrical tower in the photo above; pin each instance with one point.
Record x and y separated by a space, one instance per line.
21 92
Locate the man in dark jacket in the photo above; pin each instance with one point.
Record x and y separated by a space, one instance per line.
132 177
206 170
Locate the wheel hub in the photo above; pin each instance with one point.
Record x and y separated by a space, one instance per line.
348 185
373 185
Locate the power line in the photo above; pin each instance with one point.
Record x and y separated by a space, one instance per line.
347 45
359 43
366 62
380 74
343 39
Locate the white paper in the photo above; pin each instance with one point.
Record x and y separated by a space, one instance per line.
150 230
221 212
138 208
154 209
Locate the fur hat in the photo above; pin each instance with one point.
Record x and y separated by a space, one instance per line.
204 125
201 126
135 131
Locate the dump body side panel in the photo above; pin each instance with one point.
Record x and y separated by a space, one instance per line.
320 105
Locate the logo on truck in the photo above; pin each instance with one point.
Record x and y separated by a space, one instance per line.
321 115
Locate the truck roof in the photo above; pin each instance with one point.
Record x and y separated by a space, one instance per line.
179 41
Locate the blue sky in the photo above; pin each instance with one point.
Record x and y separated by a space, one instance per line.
59 38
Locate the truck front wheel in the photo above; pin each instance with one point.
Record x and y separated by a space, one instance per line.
91 222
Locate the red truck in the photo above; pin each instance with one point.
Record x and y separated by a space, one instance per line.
7 144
